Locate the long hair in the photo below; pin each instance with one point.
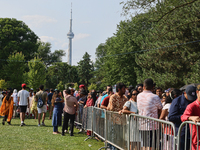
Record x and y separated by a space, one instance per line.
55 95
8 95
173 94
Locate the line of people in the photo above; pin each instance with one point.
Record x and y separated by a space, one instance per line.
146 100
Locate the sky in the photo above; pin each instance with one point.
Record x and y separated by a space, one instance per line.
93 22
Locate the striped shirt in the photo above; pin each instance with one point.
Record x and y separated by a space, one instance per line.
148 105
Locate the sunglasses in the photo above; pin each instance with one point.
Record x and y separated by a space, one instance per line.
134 94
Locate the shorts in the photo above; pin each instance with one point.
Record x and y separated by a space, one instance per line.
23 108
43 109
148 137
50 107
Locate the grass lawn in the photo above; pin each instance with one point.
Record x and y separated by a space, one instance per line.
33 137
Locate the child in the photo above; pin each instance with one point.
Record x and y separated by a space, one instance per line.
34 106
57 102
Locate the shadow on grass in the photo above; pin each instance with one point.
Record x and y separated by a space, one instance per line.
30 125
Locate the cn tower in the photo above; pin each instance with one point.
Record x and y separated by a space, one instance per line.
70 36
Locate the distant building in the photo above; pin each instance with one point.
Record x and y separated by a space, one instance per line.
70 36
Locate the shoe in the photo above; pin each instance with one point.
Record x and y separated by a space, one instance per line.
38 125
72 135
9 123
43 124
3 122
24 124
21 124
63 134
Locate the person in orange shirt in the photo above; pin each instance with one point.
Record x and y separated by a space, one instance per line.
6 109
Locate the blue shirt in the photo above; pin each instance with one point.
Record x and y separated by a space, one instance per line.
177 109
103 98
49 98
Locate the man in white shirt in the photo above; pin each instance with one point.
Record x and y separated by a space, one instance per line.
23 96
149 105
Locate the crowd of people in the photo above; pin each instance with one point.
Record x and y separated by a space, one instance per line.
145 99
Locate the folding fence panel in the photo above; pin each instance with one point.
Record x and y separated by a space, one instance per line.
117 129
99 122
188 136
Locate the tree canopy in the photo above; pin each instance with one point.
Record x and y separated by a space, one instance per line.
16 36
37 73
14 70
45 54
159 41
85 69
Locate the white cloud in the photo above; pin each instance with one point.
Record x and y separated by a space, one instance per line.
81 36
58 43
47 38
38 20
64 45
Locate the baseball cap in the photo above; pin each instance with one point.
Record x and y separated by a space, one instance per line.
81 86
191 92
23 85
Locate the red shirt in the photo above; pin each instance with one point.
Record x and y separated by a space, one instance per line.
192 109
105 101
89 102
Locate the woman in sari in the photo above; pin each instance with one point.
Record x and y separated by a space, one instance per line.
6 109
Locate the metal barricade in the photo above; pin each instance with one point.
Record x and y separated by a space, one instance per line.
129 131
150 132
188 136
87 118
78 118
99 122
117 130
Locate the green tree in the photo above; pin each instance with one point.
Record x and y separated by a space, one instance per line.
85 69
98 73
44 52
3 84
76 86
14 70
163 24
92 87
61 72
16 36
113 66
60 86
37 73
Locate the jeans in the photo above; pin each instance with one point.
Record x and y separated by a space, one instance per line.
55 128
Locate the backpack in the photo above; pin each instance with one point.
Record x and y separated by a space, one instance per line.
40 102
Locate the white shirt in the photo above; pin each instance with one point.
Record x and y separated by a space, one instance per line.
167 106
23 95
148 105
131 105
14 95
